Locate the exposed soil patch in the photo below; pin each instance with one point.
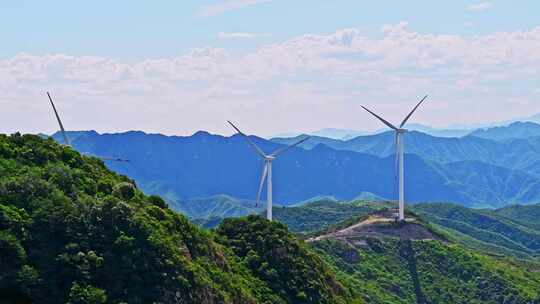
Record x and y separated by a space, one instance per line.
381 225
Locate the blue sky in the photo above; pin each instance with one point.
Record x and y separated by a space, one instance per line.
273 65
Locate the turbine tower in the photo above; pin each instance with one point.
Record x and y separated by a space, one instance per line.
267 168
399 153
67 141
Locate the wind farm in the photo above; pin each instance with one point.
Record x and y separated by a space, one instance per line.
257 152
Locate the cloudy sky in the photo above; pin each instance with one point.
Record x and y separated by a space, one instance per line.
272 66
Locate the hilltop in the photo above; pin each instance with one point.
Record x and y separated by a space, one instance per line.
381 224
383 261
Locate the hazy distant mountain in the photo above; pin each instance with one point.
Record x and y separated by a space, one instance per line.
445 132
338 133
347 134
332 133
523 154
203 165
514 130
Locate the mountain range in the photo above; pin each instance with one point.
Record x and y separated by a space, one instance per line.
72 231
470 170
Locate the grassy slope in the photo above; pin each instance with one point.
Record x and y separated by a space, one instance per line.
484 229
393 271
525 215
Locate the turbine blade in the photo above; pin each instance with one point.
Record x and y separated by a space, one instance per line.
281 150
261 184
381 119
257 149
62 130
410 114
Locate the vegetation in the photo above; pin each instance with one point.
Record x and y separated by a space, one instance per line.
71 231
528 216
288 266
508 231
404 271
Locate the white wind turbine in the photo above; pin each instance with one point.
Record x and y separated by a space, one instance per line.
399 154
66 138
267 168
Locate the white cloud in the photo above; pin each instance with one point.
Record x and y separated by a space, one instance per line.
240 35
300 84
480 6
228 5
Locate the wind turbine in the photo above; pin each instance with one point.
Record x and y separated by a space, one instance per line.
66 138
267 168
399 153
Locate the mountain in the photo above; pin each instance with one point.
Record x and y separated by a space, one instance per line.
438 132
346 134
428 271
509 231
338 133
203 165
384 261
515 153
492 231
521 130
528 216
311 143
72 231
283 262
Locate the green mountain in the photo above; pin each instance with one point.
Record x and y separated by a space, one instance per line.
491 231
510 231
284 263
525 215
71 231
413 271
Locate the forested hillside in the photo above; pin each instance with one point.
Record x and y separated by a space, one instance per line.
72 231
